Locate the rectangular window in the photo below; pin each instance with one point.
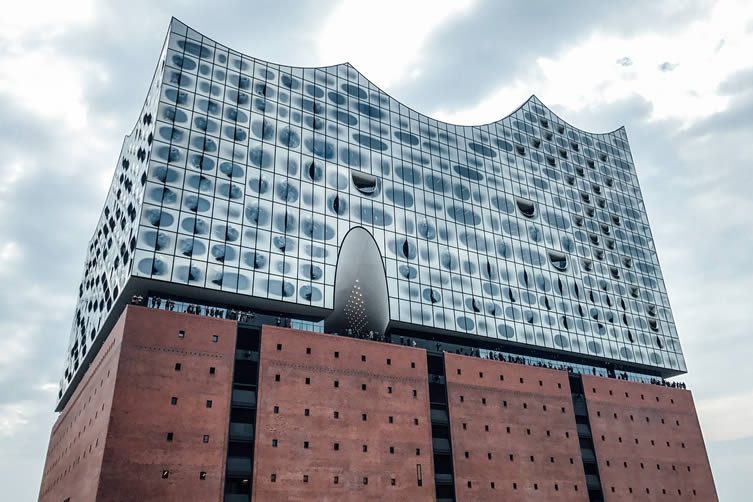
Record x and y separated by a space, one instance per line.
273 478
306 412
215 338
363 417
389 390
212 370
202 475
276 409
337 355
337 383
336 446
415 393
274 443
181 334
308 381
363 358
365 448
336 414
393 481
389 361
279 347
392 450
165 473
205 439
169 436
177 366
336 479
363 386
418 452
308 350
390 419
306 445
209 403
173 400
365 480
412 364
277 378
305 478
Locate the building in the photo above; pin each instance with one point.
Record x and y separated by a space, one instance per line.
497 323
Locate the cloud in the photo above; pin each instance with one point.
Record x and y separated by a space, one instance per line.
667 66
625 61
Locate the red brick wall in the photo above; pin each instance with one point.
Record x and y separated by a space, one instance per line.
77 440
290 461
136 450
538 427
663 421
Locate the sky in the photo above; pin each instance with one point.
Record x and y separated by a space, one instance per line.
677 74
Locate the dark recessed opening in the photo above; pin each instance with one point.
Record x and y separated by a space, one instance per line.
364 182
559 260
526 207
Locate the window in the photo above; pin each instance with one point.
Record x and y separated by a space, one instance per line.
202 475
279 347
337 383
177 366
415 393
336 480
469 484
215 338
277 378
336 446
205 439
489 455
165 473
306 445
306 412
392 450
365 448
390 419
212 370
308 381
173 400
169 436
389 361
467 454
483 400
492 485
389 390
273 478
181 334
465 426
337 355
336 414
274 443
459 372
504 403
462 399
305 478
308 350
363 358
276 409
415 421
209 403
412 364
393 481
363 386
365 480
363 417
418 452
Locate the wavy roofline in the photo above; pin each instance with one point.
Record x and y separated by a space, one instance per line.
533 97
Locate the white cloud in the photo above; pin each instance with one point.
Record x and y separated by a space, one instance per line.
728 417
589 73
13 416
383 40
45 18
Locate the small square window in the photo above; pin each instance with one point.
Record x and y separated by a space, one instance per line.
305 478
276 409
215 338
165 473
173 400
336 446
203 475
212 370
393 481
181 334
177 366
337 355
363 358
279 346
209 403
390 420
169 436
308 381
205 439
306 412
277 378
274 443
415 421
459 372
363 386
306 445
389 361
308 350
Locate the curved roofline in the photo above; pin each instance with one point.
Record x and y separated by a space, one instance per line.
533 97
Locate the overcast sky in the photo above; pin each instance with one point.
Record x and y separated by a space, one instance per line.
678 75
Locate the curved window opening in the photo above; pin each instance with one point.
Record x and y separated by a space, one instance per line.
575 146
651 310
588 265
560 129
520 149
590 211
599 254
536 142
653 324
634 291
627 262
550 161
610 243
526 207
594 239
616 220
602 157
585 197
364 182
559 260
563 153
591 163
596 189
609 182
615 272
548 136
631 337
605 229
578 220
580 171
601 202
570 179
544 122
659 343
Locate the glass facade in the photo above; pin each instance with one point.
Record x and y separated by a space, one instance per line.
244 176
